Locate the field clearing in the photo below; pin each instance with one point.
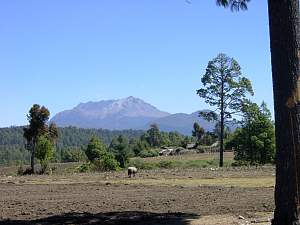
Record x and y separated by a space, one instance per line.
220 182
196 156
166 196
184 182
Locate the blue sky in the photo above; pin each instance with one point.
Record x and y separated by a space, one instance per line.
59 53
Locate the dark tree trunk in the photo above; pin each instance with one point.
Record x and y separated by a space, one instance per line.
32 161
284 36
222 127
222 140
32 146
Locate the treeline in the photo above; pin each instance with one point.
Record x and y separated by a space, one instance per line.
116 155
69 145
72 142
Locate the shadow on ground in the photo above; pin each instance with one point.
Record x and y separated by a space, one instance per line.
111 218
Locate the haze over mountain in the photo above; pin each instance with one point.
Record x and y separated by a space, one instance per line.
127 113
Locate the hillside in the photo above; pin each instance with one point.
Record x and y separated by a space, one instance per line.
183 123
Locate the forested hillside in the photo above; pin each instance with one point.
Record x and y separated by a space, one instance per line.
12 143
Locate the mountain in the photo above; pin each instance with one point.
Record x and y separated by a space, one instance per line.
127 113
183 123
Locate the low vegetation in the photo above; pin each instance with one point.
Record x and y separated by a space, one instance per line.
177 163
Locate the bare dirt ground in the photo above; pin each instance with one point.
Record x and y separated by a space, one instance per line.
195 196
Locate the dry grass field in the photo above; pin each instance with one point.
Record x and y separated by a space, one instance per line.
209 196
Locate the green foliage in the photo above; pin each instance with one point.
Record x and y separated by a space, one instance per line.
235 5
95 149
84 168
254 142
44 151
101 159
217 130
139 146
77 137
9 155
38 130
73 155
154 139
12 142
52 132
106 163
120 147
37 118
198 132
225 89
71 143
153 136
208 139
149 153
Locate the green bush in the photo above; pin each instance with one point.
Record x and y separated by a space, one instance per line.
73 155
84 168
95 149
44 151
106 163
148 153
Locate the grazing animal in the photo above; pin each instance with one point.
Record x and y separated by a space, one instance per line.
132 171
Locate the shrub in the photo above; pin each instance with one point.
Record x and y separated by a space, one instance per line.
20 170
73 155
44 151
95 149
148 153
106 163
84 168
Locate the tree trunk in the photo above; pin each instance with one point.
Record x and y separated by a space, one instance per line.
284 36
222 141
222 126
32 161
32 146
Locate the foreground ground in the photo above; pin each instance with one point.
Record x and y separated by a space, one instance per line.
191 196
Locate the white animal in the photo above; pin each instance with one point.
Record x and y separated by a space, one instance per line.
132 171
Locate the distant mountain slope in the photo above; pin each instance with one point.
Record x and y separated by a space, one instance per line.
127 113
183 123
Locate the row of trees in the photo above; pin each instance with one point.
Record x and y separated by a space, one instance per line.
69 146
254 140
12 137
117 154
